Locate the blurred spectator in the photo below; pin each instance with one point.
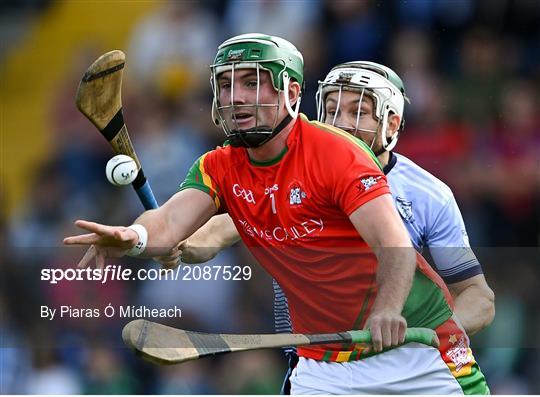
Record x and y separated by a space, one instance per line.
356 30
106 374
412 58
256 372
283 18
194 377
16 17
14 356
49 375
512 152
436 141
169 141
36 223
425 14
170 48
477 87
317 65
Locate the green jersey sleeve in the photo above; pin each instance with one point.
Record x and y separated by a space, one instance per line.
199 177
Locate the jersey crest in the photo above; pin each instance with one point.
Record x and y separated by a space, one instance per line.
367 183
296 194
405 209
459 353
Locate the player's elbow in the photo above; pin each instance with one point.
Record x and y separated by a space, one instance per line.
485 299
489 303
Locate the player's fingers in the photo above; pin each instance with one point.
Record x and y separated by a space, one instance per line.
161 259
173 255
395 334
386 335
94 227
174 258
100 260
166 262
168 266
401 332
175 252
88 256
83 239
376 337
125 234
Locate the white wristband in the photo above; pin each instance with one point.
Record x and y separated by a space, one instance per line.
143 239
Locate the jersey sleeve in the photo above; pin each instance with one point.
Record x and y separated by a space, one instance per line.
357 176
449 245
203 176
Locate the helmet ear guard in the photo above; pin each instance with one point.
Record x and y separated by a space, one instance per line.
388 143
292 112
215 116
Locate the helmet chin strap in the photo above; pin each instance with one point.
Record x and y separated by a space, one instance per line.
256 139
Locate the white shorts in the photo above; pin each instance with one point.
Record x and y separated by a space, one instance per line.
409 369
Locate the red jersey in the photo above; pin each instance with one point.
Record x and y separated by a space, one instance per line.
293 215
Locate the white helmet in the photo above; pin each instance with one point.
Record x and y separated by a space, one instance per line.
369 78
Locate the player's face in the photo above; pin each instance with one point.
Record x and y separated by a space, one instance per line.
254 99
355 117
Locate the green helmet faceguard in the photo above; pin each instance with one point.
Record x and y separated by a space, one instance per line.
263 53
367 78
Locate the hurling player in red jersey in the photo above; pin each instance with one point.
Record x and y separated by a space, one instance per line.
325 229
352 88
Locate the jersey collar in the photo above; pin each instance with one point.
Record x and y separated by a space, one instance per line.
291 139
391 162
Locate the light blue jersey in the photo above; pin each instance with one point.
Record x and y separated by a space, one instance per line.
432 218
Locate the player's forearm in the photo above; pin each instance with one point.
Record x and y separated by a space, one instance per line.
215 235
394 278
173 222
218 233
379 224
161 236
475 308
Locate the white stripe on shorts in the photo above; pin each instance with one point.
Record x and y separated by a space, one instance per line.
409 369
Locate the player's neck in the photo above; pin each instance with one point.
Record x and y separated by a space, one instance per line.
273 148
384 158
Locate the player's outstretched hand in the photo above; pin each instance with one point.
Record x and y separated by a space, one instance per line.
104 242
387 329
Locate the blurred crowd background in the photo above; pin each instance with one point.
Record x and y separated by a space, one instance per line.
471 69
